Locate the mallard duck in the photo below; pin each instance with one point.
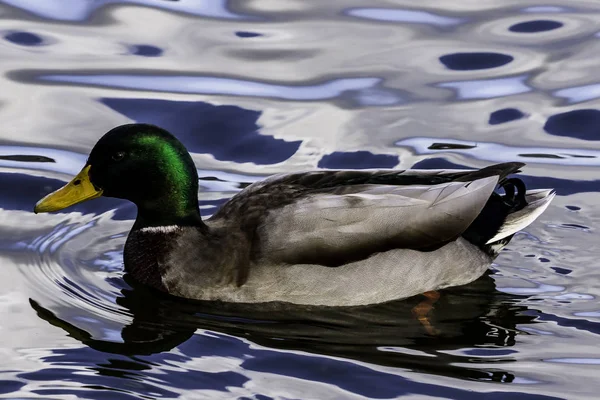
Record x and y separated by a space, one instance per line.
327 238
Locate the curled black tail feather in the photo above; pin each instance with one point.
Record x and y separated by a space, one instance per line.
514 196
494 213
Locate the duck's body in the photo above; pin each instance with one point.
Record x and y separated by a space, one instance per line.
334 238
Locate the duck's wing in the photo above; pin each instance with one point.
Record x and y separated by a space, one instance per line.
332 217
338 226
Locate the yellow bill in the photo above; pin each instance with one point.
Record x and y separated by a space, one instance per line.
78 190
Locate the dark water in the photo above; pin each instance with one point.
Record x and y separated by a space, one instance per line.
265 86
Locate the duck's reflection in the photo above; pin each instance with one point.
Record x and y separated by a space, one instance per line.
474 315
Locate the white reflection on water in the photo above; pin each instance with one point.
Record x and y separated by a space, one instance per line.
573 296
545 9
377 97
571 360
409 16
539 289
580 93
79 10
223 86
594 314
66 162
500 153
488 88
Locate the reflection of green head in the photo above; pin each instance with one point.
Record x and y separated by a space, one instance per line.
150 167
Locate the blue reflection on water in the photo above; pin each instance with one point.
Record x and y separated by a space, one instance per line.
562 271
146 50
244 34
535 26
145 376
505 115
357 159
227 132
474 61
9 386
581 124
24 38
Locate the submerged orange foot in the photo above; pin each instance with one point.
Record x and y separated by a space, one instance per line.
422 310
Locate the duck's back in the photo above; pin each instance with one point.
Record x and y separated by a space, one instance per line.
334 217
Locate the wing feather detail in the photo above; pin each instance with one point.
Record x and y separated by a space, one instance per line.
365 219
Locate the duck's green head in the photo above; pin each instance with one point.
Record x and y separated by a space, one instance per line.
141 163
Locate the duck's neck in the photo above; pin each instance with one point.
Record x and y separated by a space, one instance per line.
168 211
149 220
147 252
158 227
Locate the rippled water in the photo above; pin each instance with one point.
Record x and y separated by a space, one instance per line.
264 86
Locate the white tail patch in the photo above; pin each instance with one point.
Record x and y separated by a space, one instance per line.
538 201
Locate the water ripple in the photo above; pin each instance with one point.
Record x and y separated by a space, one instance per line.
81 10
215 85
546 9
496 152
65 162
580 94
406 16
266 86
488 88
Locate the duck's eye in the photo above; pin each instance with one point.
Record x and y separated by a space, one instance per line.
118 156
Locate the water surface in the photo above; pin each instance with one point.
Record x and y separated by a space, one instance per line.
259 87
